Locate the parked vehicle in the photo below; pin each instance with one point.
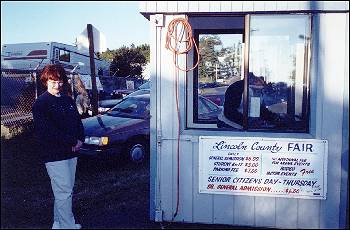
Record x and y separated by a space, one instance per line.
218 99
105 105
145 85
27 56
208 110
120 93
125 128
210 85
122 130
215 94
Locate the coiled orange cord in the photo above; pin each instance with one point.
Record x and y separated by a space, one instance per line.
173 41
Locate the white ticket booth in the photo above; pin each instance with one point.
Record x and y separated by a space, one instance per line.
250 112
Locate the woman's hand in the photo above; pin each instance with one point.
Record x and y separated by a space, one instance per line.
77 146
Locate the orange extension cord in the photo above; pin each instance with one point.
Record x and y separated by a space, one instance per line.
173 40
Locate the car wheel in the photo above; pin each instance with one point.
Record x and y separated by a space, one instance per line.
137 152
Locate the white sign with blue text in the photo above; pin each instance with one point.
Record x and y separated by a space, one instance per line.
292 168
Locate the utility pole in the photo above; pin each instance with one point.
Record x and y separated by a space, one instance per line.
94 103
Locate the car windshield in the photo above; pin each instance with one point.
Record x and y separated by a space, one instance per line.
135 107
145 85
108 103
138 92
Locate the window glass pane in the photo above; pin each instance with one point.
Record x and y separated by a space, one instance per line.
207 110
64 56
202 108
278 55
220 64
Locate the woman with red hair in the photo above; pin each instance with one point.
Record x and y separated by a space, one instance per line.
60 133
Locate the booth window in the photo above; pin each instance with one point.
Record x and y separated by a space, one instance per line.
256 79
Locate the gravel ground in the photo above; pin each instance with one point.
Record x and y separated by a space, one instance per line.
109 193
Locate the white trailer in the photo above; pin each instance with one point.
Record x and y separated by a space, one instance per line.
30 56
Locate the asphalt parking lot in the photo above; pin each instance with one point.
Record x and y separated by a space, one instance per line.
110 193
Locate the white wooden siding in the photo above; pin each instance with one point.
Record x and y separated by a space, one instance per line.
162 6
167 127
225 6
182 6
239 6
193 6
270 5
258 5
151 6
154 123
327 96
236 6
281 5
344 194
265 211
332 41
248 6
203 6
287 215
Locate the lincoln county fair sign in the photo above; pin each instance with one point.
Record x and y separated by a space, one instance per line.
293 168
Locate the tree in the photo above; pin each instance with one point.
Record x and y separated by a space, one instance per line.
145 50
208 56
128 61
108 55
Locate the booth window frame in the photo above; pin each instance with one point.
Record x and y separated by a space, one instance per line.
195 123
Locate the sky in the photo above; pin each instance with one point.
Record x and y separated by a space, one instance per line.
32 21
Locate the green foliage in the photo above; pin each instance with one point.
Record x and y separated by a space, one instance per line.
208 56
211 50
107 55
145 50
127 61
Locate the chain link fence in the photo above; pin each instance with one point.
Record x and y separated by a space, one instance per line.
20 87
18 90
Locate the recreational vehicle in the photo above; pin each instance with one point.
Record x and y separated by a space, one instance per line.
30 56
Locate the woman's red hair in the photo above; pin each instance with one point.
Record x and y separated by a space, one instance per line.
53 72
